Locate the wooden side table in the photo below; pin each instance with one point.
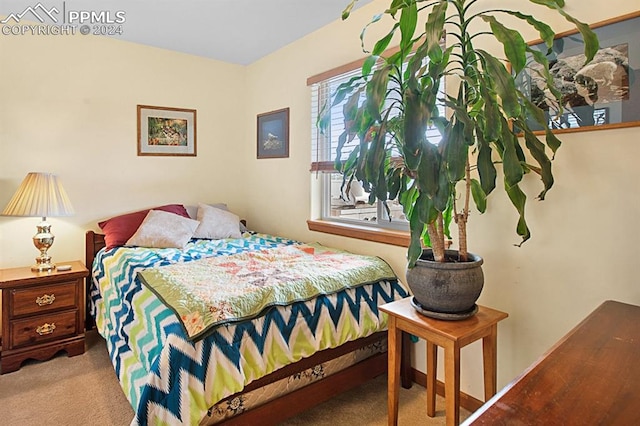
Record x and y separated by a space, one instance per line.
42 313
451 336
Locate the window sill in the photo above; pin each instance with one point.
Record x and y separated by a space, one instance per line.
378 235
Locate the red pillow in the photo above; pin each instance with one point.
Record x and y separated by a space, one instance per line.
119 229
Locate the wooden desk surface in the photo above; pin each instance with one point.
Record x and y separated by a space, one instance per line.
590 377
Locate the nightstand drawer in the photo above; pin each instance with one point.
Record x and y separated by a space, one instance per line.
34 300
43 328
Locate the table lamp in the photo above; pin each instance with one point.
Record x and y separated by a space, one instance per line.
40 195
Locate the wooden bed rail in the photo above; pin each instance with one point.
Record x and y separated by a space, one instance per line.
93 243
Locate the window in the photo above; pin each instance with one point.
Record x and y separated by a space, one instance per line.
349 207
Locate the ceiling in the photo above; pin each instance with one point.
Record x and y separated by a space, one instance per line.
235 31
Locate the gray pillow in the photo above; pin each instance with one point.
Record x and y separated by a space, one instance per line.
216 223
161 229
193 213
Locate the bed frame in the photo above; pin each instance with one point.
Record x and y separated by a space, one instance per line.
307 397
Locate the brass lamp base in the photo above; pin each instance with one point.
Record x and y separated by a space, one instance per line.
45 266
43 240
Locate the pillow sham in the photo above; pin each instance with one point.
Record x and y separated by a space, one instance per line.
193 213
161 229
118 229
216 223
193 209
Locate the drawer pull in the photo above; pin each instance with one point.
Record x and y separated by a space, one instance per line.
45 299
46 328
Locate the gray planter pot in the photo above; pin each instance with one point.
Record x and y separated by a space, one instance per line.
446 290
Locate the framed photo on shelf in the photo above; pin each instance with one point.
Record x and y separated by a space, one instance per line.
166 131
603 94
273 134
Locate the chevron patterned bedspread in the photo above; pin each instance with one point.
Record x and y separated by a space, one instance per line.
171 380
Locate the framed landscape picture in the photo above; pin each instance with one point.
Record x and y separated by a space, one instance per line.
166 131
273 134
602 94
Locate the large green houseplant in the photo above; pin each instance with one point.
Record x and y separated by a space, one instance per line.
388 108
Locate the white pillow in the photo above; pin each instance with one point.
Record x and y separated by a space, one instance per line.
216 223
193 209
161 229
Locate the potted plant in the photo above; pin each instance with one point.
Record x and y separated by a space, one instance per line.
388 108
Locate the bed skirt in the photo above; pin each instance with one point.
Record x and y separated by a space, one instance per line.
245 401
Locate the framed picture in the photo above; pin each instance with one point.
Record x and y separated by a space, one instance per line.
166 131
273 134
602 94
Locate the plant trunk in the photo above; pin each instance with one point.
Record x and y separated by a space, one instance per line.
436 235
463 253
462 218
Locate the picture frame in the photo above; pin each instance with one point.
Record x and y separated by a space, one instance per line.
603 94
164 131
273 134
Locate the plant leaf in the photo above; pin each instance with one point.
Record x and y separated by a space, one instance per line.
415 246
344 89
395 6
479 197
492 123
510 161
394 179
408 22
591 43
456 151
552 140
375 19
552 4
369 63
512 42
429 170
536 148
503 82
347 10
546 32
382 44
414 128
486 168
445 188
434 30
376 91
541 59
519 200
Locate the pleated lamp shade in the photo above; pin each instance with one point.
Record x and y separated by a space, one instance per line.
39 194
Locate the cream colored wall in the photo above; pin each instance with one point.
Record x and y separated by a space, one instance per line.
68 106
581 252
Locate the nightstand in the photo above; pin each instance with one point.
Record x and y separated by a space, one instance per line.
42 313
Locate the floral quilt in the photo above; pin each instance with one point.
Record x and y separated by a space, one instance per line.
213 291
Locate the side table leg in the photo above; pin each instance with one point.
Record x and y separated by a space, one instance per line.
405 363
490 361
452 383
432 367
394 355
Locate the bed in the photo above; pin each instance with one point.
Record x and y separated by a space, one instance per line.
262 364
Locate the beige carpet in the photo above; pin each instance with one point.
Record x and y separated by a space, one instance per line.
83 390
